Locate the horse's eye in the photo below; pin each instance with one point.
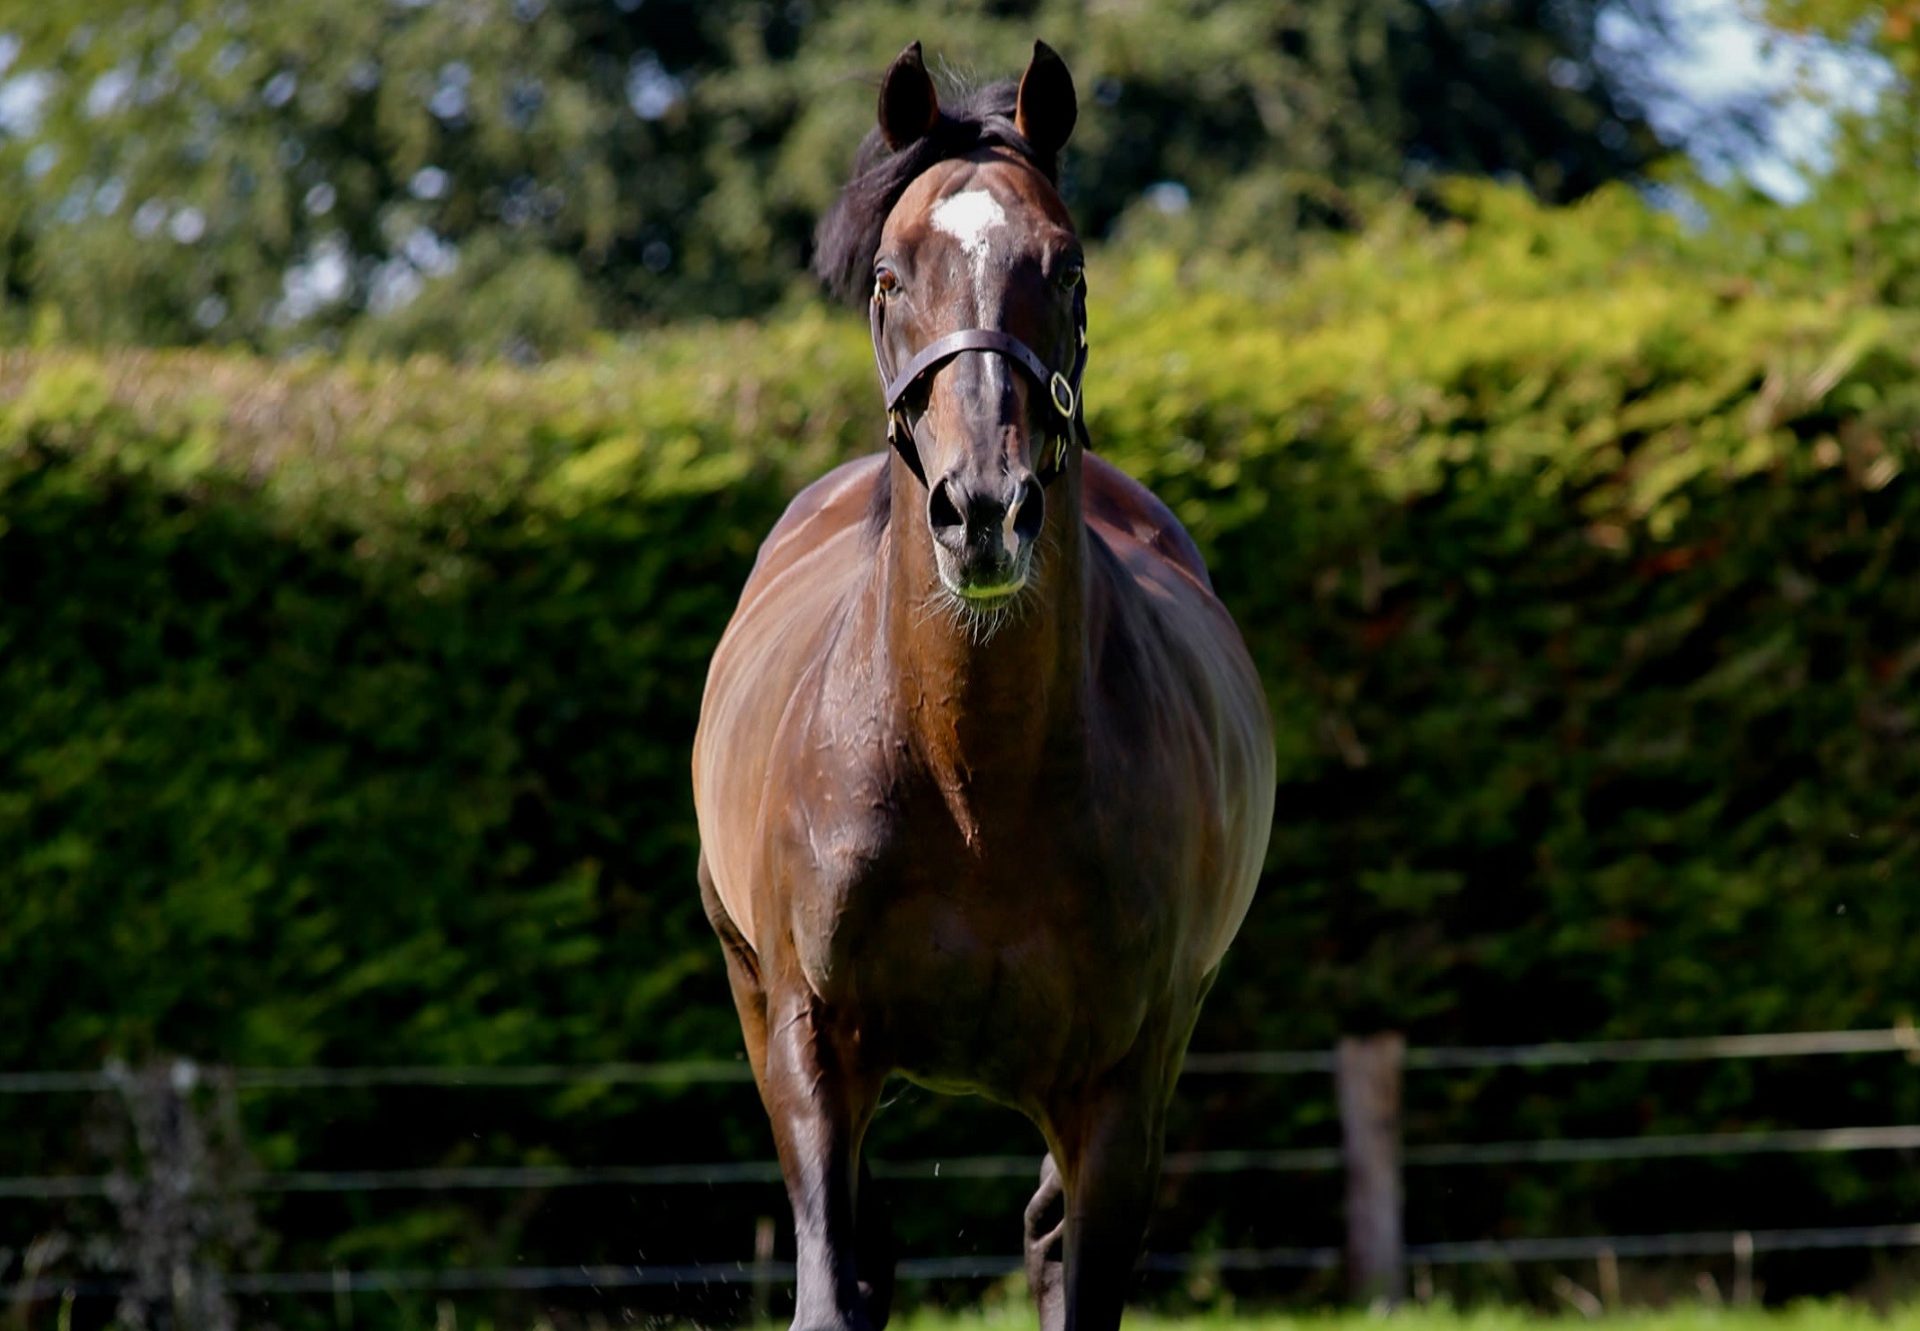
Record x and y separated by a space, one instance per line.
884 281
1071 276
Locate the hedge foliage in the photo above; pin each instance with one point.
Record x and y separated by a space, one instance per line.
345 708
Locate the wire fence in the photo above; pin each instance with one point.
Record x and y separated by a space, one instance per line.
1583 1248
1903 1039
184 1076
1896 1137
114 1077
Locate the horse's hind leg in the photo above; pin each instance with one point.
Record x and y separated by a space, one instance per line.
1046 1248
875 1255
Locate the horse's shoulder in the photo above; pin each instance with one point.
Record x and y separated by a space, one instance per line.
1134 522
844 498
1161 635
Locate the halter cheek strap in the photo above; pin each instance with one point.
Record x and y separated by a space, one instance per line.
1062 390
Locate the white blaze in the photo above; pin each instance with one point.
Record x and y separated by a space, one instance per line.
968 217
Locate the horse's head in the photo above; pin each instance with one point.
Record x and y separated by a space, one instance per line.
978 319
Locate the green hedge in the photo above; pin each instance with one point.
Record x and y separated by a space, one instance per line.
345 709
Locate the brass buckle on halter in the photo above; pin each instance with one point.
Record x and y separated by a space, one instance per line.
1062 392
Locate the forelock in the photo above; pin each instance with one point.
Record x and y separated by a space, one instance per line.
848 237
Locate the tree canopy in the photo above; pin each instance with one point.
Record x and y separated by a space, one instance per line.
506 174
1863 220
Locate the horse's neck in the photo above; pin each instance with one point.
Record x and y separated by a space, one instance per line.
1007 704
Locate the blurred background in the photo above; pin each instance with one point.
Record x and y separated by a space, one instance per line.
393 394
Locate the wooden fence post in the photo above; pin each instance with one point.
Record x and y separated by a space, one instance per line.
1607 1263
1367 1080
176 1210
1743 1269
763 1230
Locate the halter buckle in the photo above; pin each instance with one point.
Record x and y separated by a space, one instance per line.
1062 393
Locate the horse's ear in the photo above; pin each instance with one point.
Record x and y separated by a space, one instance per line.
1047 109
908 107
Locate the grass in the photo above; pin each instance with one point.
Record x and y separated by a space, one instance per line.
1810 1315
1832 1315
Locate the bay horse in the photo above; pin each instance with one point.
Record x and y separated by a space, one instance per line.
984 773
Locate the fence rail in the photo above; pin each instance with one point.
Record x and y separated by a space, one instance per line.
1375 1065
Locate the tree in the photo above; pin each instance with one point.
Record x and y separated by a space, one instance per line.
281 174
1862 218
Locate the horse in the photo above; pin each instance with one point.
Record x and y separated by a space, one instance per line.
984 773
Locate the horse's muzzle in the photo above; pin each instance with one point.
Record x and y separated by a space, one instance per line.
984 533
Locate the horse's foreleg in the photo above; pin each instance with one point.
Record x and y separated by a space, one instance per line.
1112 1172
820 1107
1046 1247
815 1124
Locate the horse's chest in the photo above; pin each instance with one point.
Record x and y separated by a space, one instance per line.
995 965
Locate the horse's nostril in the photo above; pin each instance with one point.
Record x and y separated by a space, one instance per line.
1029 510
941 513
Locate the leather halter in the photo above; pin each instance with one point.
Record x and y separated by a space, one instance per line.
1062 390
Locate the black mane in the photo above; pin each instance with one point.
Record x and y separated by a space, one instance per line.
849 235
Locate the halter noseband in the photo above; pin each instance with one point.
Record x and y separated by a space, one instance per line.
1062 390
